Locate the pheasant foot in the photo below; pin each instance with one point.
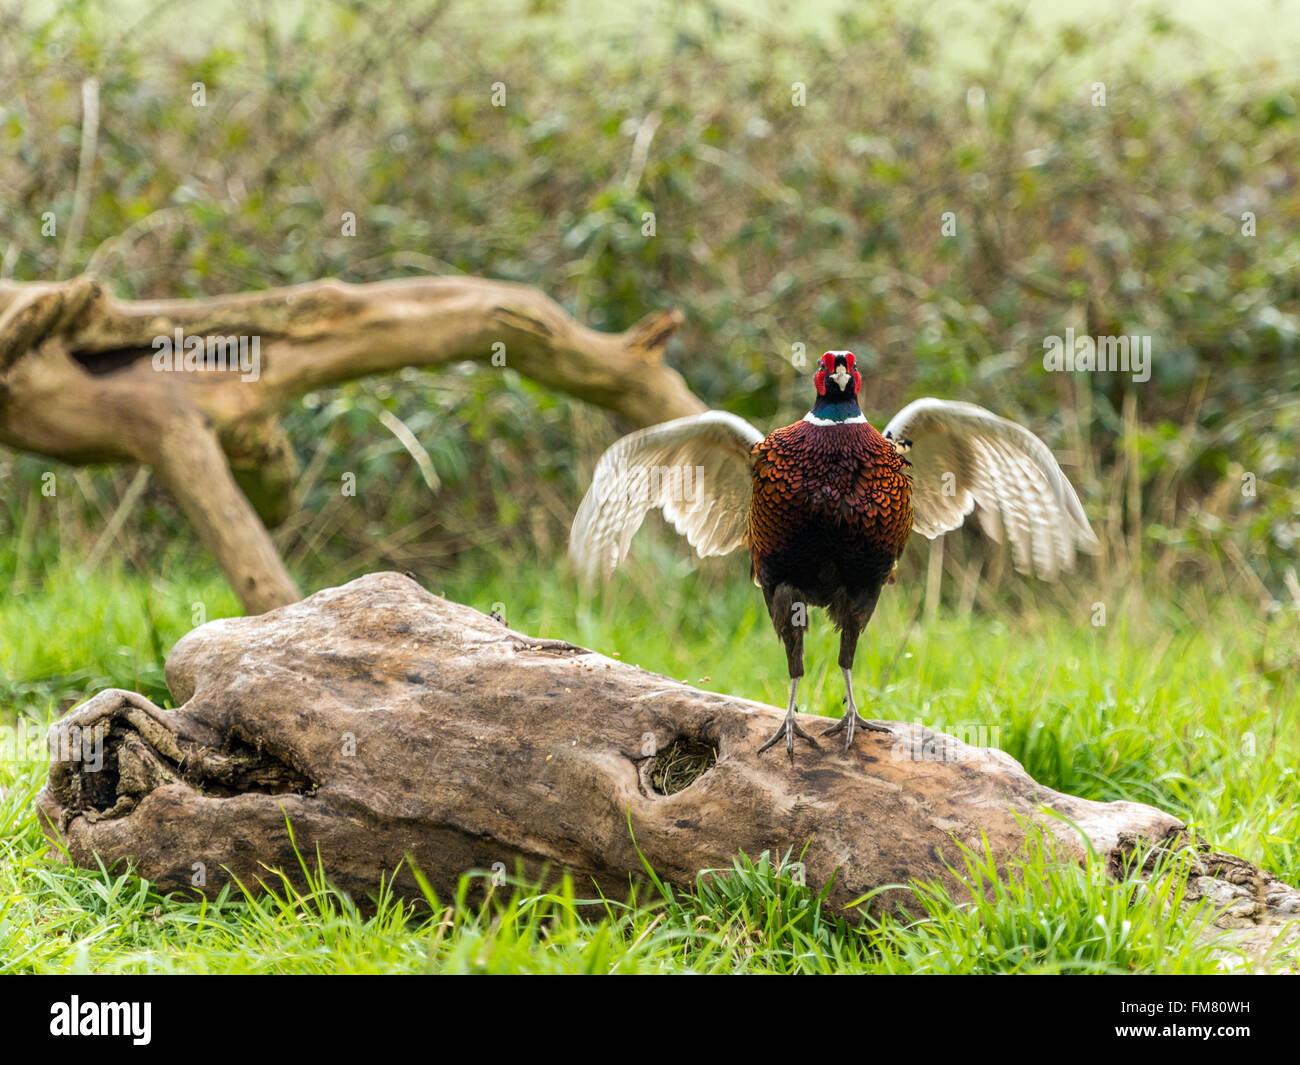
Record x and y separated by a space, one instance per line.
790 728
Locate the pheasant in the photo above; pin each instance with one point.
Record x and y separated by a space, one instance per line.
826 505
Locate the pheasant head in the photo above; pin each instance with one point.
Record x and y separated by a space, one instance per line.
838 381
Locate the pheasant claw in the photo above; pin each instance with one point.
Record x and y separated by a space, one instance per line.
790 728
852 720
788 731
849 724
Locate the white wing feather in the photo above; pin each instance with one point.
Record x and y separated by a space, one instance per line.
697 469
966 458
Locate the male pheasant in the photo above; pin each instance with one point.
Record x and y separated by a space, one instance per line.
826 505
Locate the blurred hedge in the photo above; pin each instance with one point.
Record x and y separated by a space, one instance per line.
775 225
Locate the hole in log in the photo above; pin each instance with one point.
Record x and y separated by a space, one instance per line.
249 768
129 769
99 788
223 359
681 764
109 359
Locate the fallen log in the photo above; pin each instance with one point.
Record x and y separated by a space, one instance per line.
378 722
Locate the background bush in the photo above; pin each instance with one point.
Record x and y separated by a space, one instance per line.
775 225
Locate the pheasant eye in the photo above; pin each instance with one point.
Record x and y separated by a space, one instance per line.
828 362
849 361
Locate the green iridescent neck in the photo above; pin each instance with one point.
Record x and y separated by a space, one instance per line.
838 410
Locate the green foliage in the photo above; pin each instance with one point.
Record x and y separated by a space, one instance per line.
1041 913
775 225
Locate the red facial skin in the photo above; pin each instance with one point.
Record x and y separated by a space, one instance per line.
827 366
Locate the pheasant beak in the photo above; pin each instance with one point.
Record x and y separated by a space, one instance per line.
841 377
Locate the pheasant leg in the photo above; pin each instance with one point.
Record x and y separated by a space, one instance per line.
790 728
852 720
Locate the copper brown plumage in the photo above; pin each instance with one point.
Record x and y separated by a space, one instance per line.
826 505
847 478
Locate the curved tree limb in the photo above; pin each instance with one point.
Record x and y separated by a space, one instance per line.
78 382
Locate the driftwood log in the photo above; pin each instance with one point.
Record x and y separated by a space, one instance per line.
78 382
384 724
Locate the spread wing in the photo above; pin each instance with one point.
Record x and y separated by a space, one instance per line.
697 469
966 458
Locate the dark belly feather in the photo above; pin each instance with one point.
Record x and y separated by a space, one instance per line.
831 510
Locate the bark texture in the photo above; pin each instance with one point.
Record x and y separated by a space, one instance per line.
78 383
381 724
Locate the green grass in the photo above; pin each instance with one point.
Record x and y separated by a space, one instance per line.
1192 707
1040 914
